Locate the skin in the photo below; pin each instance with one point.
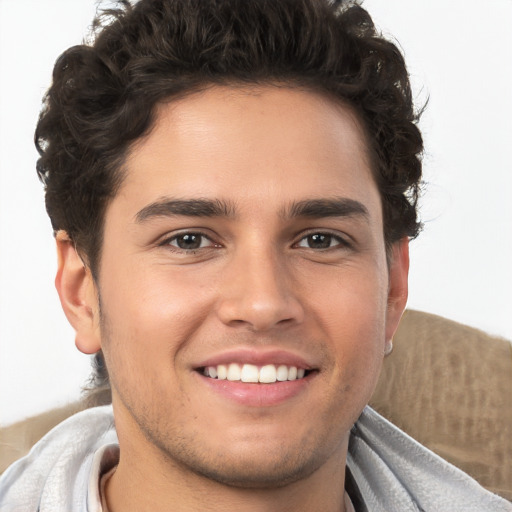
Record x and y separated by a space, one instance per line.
258 281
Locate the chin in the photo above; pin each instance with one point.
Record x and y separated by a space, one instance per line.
248 473
258 463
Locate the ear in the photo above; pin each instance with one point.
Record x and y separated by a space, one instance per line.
78 296
398 287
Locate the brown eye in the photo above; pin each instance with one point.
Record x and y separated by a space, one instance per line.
189 241
321 241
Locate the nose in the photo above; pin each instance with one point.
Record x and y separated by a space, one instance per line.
258 291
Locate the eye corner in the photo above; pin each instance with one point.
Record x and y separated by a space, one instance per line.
188 241
322 240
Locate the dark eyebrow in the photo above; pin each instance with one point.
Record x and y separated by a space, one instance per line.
335 207
168 207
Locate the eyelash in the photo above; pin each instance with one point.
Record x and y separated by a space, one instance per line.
341 242
168 241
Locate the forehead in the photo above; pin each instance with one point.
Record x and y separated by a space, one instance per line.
239 143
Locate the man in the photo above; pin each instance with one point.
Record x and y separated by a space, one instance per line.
232 186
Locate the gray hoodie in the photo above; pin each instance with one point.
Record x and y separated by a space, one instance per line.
387 469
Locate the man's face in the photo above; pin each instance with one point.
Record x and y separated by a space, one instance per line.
246 240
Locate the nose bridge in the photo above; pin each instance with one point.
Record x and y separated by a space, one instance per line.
258 289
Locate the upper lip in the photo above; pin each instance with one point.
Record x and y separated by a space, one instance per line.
257 357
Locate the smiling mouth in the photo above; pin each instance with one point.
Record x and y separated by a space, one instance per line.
250 373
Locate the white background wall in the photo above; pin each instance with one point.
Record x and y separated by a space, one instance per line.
459 54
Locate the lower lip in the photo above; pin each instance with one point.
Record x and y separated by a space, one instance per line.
258 395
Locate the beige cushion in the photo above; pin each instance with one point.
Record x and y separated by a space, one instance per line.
17 439
450 387
447 385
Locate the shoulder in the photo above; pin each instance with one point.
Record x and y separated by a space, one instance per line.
59 465
393 471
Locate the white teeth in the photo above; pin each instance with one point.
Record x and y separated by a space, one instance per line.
268 374
282 373
234 372
222 371
251 373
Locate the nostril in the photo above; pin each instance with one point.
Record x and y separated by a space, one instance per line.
259 306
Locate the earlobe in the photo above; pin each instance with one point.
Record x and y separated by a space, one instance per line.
398 286
78 296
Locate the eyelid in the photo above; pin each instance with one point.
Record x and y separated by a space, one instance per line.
166 240
343 239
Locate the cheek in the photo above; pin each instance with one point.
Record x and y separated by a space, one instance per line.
152 296
351 310
349 302
148 317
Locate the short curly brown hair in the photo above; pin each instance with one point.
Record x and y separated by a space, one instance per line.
104 94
